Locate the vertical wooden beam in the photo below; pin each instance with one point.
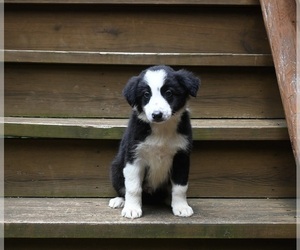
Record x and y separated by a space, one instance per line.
280 21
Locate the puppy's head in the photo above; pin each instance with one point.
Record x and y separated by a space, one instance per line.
159 92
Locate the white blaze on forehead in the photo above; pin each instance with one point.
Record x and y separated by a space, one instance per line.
155 79
157 103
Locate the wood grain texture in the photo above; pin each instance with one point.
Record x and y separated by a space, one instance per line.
280 21
92 218
47 90
203 129
80 168
156 28
140 58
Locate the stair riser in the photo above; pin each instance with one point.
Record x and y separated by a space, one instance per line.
136 28
96 91
127 244
80 168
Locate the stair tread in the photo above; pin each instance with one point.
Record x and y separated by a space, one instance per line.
92 218
138 58
203 129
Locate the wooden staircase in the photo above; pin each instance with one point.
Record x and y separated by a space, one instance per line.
66 63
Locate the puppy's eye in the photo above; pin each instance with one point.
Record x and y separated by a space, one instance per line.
169 93
147 95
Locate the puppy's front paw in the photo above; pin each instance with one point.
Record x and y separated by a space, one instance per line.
116 202
132 212
183 210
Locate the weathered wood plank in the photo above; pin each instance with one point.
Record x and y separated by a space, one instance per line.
65 128
154 29
133 58
46 90
205 129
80 168
148 2
92 218
238 129
280 21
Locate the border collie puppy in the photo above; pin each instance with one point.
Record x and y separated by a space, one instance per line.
154 155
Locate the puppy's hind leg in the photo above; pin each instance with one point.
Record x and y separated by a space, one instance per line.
117 202
117 178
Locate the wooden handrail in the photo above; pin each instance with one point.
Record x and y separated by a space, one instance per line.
280 21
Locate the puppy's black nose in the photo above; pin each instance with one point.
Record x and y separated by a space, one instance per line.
157 116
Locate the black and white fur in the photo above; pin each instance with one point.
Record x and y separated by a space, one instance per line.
154 154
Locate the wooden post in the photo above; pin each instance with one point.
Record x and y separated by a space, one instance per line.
280 21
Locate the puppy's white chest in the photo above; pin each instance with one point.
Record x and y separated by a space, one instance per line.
156 154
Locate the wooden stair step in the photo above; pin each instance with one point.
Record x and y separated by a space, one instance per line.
203 129
168 2
138 58
136 28
92 218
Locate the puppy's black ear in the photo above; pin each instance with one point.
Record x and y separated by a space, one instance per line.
189 81
129 91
